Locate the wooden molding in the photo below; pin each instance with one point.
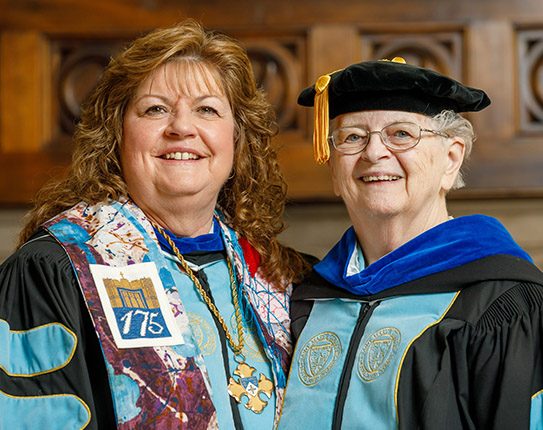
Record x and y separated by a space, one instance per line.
25 92
23 174
51 54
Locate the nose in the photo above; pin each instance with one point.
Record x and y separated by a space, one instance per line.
181 124
375 147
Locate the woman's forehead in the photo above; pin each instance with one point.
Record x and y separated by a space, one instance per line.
184 77
378 117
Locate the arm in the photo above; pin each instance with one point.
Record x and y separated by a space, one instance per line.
505 363
481 366
53 365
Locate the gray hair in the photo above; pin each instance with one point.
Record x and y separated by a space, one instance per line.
455 125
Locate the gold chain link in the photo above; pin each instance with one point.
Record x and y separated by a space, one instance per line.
236 348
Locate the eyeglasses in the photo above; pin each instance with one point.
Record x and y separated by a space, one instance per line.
398 137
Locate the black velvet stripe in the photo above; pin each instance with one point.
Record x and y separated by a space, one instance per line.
365 313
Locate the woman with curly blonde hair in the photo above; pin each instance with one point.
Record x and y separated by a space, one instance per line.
165 233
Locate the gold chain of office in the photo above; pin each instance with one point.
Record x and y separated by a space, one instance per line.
236 348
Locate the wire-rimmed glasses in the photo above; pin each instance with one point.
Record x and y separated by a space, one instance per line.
398 137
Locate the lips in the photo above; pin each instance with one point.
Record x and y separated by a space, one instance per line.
180 156
376 178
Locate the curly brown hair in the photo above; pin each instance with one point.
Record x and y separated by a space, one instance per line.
252 199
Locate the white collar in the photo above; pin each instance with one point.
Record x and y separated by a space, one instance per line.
356 261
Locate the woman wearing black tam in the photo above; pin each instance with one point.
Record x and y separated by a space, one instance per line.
414 320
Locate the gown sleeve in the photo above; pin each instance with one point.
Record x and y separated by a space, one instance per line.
505 361
480 368
52 372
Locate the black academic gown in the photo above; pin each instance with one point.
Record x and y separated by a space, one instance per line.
477 363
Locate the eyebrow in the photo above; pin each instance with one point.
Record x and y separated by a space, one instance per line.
166 99
362 124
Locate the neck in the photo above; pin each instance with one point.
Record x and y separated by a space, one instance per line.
183 219
380 235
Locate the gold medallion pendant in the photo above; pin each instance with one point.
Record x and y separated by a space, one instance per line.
249 386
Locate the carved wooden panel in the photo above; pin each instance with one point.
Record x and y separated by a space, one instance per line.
279 69
440 51
530 70
81 63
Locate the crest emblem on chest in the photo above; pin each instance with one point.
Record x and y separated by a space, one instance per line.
318 357
377 353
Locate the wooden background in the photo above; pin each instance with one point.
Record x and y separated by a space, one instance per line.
52 52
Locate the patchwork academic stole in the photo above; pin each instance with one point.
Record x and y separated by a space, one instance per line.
140 320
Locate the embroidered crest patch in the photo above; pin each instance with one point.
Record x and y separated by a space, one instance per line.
202 332
318 357
377 352
135 305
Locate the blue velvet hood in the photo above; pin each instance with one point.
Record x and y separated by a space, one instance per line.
448 245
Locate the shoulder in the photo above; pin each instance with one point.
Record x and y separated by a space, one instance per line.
37 281
40 257
506 286
41 246
490 317
517 301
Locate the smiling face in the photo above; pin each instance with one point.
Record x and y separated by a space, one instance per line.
380 183
178 138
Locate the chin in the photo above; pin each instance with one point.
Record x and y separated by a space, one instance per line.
384 214
385 208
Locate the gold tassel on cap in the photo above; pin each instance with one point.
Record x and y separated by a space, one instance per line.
321 115
320 119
